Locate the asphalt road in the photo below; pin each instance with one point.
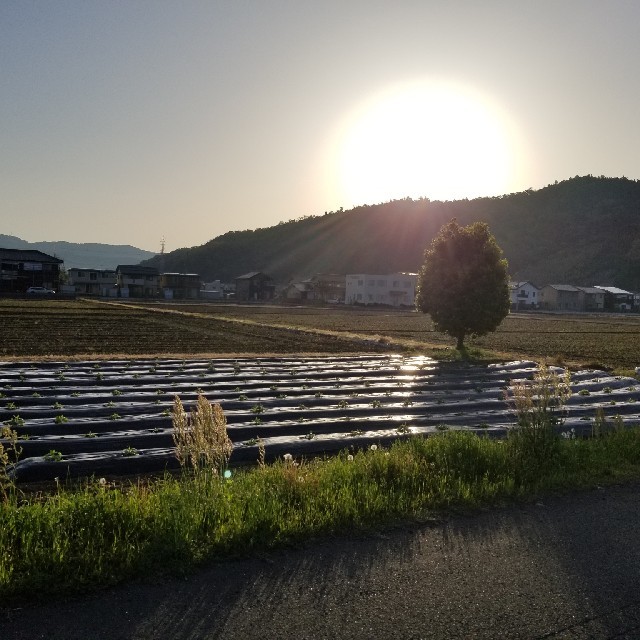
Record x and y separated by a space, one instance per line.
566 567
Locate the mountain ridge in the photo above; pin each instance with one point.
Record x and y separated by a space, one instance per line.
88 255
583 231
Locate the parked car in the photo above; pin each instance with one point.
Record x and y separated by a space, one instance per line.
41 291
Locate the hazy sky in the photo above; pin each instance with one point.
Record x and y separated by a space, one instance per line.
128 121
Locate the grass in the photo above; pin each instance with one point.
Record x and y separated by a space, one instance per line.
95 535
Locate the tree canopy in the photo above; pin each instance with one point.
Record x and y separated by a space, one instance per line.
463 284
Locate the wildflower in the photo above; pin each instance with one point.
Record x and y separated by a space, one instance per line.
350 458
288 457
374 447
102 482
227 474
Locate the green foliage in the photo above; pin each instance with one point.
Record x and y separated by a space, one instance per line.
96 534
463 284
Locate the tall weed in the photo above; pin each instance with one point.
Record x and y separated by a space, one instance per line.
10 452
539 408
201 437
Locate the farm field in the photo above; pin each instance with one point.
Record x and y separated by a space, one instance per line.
609 340
78 380
65 328
71 328
113 417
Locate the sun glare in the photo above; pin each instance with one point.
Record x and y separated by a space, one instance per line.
433 140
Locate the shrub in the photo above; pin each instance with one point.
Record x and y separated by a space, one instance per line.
539 407
9 453
201 437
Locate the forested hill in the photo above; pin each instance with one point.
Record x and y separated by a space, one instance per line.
582 231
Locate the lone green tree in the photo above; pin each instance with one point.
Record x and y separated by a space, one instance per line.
463 284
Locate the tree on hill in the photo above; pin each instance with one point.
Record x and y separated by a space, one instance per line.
463 284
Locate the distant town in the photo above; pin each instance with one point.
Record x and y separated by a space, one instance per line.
27 272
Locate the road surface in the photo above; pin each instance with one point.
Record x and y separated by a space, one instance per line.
564 567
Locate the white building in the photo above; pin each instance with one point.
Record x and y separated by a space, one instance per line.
394 289
97 282
524 295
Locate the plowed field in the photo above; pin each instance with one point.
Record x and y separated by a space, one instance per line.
611 340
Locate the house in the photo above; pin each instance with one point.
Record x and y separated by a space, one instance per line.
592 298
217 290
560 297
298 291
93 282
328 287
24 268
395 289
524 295
321 287
134 281
254 286
180 286
617 299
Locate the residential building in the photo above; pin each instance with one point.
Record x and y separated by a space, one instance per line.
560 297
617 299
93 282
180 286
24 268
298 291
395 289
592 298
328 287
254 286
134 281
321 287
524 295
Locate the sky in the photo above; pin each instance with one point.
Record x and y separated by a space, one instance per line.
126 122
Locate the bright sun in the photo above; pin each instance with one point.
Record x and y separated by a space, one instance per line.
434 140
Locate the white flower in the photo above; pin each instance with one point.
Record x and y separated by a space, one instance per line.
374 447
288 457
350 458
102 482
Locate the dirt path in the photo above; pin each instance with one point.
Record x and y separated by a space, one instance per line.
567 567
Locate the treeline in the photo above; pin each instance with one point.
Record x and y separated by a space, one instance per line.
585 231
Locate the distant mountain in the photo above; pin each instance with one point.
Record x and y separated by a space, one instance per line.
85 255
582 231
